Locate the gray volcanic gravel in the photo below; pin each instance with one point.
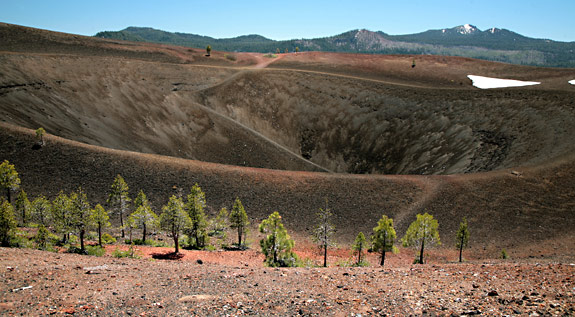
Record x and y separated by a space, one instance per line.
83 285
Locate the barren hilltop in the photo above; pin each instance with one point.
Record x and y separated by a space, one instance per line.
373 134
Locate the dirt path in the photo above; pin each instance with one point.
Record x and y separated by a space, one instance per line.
264 62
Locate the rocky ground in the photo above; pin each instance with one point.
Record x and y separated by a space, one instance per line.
44 283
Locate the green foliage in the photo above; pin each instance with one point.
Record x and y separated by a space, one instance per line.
130 253
40 135
23 208
504 254
462 237
80 214
270 55
143 217
95 250
359 245
19 238
41 211
118 198
277 245
220 224
7 223
61 215
42 237
423 231
108 239
9 179
174 219
323 231
209 50
504 46
99 217
383 237
197 231
239 221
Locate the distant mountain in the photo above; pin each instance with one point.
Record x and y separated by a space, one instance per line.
465 40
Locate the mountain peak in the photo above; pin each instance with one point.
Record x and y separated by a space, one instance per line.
467 29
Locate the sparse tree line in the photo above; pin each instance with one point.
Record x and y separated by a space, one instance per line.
184 220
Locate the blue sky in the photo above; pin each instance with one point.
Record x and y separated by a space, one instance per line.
289 19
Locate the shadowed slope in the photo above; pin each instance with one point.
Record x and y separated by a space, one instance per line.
533 211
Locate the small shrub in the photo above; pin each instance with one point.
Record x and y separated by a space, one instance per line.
231 57
504 254
76 250
363 263
306 262
270 55
92 236
20 240
108 239
130 253
95 250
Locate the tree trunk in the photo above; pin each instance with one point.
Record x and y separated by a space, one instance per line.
325 255
460 248
359 256
144 235
82 231
9 194
275 250
383 250
382 257
421 252
122 223
100 234
239 237
176 242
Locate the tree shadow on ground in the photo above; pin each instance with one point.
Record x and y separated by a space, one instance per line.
167 256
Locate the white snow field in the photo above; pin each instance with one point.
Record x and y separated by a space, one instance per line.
488 82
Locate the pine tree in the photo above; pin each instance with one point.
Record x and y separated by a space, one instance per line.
80 215
174 219
323 231
62 216
209 50
9 179
143 217
99 217
40 135
383 237
358 246
423 231
119 199
239 220
7 222
42 237
277 245
197 232
41 211
23 208
462 238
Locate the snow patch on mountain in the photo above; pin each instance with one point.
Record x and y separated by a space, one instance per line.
467 29
482 82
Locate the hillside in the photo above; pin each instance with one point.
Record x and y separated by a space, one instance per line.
493 44
158 114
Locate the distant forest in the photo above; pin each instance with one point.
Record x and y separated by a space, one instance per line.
495 44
